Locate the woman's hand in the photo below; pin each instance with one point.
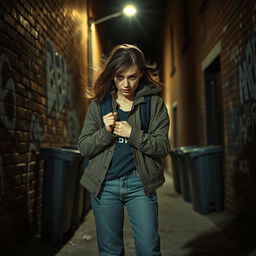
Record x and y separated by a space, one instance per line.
109 120
122 128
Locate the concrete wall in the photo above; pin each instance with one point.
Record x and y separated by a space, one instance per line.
196 33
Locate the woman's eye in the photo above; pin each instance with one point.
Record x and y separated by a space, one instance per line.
133 77
119 77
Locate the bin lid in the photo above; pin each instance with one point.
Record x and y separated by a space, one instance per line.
70 147
60 153
174 151
186 149
208 150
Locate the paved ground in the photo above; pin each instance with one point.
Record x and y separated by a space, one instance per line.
183 232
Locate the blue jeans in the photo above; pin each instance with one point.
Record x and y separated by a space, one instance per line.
109 216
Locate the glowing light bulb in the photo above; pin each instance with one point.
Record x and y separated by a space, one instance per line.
129 10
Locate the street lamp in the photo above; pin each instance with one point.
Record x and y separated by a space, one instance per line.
128 10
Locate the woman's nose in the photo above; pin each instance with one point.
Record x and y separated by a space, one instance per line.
126 83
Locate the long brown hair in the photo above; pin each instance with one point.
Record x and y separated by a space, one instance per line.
120 58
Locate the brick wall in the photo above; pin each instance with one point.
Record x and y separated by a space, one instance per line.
43 73
200 29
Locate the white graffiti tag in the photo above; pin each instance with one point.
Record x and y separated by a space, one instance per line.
7 90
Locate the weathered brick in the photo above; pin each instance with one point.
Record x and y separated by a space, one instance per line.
232 23
24 28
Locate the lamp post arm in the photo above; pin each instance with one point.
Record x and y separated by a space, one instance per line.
108 17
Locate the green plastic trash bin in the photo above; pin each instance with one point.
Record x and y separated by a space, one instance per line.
59 183
176 169
206 179
184 171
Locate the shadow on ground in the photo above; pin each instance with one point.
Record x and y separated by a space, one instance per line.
183 232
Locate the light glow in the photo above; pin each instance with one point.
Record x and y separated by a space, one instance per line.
129 10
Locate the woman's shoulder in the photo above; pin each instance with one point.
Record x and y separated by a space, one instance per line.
158 104
92 106
92 102
157 98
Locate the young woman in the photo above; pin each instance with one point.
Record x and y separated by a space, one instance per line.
125 166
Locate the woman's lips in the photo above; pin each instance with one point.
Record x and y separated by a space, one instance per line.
125 90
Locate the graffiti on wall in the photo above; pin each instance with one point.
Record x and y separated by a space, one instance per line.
232 114
58 94
57 80
7 95
59 89
7 106
247 92
241 114
36 139
242 111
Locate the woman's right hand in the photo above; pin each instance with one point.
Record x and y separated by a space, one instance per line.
109 121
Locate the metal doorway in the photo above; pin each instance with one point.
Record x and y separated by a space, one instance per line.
214 105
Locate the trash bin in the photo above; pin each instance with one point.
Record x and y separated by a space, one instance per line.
86 194
78 206
87 202
59 183
176 169
184 171
206 179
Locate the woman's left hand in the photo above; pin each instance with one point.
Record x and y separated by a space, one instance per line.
122 129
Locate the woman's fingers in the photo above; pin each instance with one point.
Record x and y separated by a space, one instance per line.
109 120
110 114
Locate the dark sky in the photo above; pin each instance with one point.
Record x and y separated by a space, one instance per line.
144 29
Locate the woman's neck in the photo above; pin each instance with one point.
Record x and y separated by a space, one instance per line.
122 98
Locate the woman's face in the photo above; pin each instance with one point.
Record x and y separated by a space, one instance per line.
127 81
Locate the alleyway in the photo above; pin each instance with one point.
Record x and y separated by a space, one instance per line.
51 55
183 232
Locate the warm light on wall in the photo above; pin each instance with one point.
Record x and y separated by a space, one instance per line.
76 14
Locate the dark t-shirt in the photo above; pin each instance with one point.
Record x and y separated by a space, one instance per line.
122 161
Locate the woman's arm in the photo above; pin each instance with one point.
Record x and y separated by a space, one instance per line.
93 140
157 142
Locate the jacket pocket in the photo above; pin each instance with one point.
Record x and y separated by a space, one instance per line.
155 168
93 165
153 163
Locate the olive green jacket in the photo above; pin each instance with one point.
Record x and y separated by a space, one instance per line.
148 148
